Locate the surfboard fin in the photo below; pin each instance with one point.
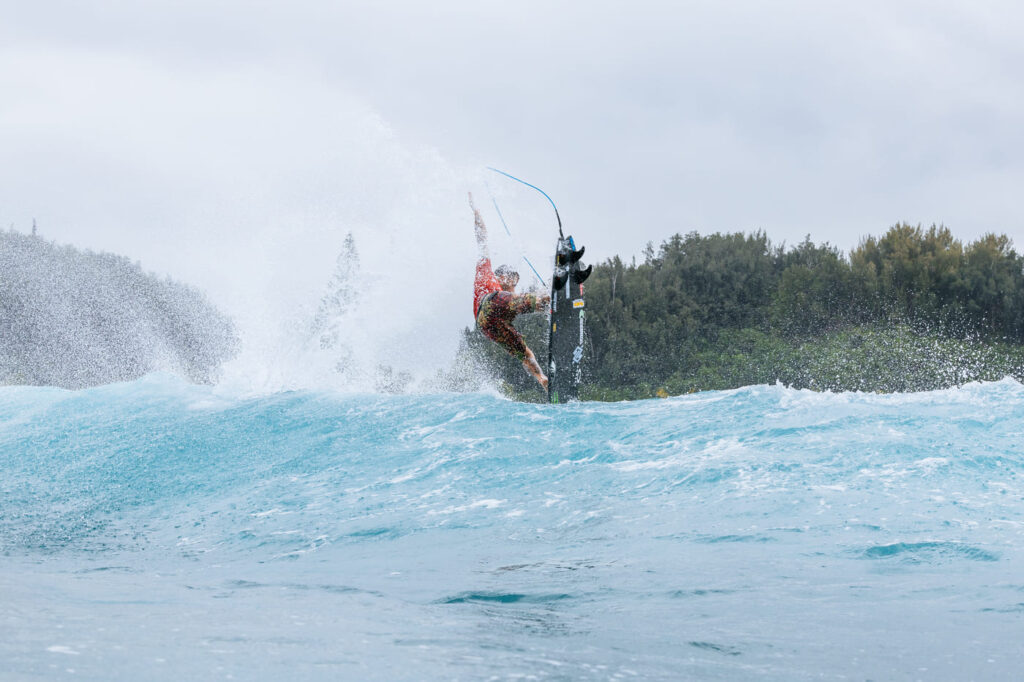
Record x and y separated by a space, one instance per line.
559 279
580 276
568 256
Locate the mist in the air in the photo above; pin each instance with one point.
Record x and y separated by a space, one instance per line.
265 178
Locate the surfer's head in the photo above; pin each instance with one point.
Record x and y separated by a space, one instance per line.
507 277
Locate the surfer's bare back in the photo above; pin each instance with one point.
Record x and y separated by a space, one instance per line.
496 304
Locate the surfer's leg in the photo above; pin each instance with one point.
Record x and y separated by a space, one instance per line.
533 367
505 335
495 321
513 342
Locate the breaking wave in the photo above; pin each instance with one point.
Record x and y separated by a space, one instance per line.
761 532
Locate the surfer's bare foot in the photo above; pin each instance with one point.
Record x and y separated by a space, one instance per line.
533 367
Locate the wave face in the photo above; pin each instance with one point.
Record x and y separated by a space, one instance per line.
160 530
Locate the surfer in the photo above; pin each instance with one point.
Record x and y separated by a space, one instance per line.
496 304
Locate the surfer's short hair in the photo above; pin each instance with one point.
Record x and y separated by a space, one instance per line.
506 271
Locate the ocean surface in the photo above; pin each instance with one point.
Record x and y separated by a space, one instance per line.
160 530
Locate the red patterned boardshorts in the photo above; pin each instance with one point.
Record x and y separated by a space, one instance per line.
497 310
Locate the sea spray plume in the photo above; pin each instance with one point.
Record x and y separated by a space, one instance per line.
480 363
73 319
333 313
470 371
333 326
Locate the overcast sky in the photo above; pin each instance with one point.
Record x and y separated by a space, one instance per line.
186 133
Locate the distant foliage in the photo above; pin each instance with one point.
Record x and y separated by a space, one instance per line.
74 319
915 309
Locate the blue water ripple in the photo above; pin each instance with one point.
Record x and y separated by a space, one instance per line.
762 533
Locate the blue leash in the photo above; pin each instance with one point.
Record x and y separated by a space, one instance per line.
539 190
509 233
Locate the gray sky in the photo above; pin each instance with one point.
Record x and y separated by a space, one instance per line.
191 134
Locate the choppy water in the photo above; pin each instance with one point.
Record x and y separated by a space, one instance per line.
157 530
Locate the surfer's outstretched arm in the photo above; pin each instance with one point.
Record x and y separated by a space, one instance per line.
529 303
481 231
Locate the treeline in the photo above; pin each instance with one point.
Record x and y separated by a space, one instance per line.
74 318
915 309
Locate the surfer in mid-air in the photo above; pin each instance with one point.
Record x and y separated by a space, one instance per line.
496 304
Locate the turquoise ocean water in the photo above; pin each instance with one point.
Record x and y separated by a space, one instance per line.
159 530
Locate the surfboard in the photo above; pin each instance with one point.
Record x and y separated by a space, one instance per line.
567 330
